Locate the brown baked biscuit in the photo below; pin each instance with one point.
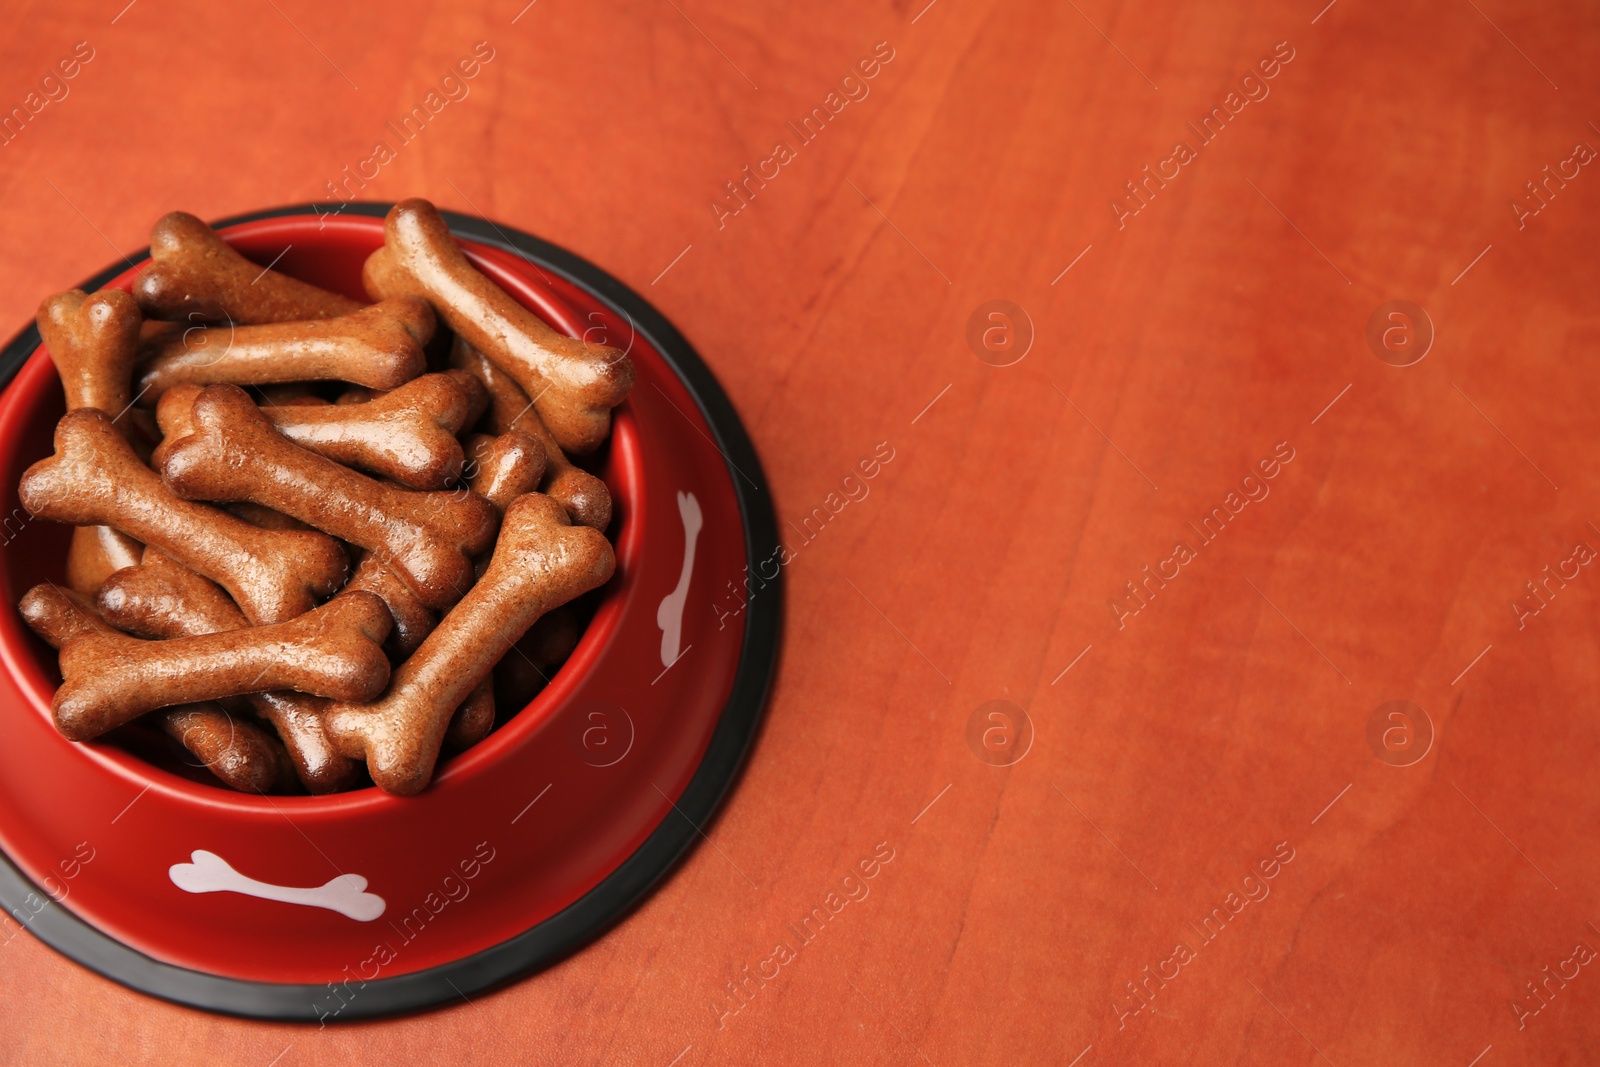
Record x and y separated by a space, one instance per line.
239 753
94 478
94 341
235 454
574 385
477 395
97 552
408 434
474 719
413 620
585 497
539 563
163 598
301 393
175 415
298 719
334 651
58 615
524 671
504 467
266 518
378 346
236 750
195 276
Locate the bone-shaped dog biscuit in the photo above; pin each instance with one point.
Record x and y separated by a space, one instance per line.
239 753
585 497
163 598
96 553
194 275
477 394
500 469
94 341
575 385
379 346
539 563
413 620
407 434
95 479
58 615
334 651
298 718
175 415
235 454
504 467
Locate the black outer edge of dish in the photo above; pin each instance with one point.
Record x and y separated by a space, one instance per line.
617 894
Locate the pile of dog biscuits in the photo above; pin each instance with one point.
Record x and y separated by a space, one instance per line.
299 547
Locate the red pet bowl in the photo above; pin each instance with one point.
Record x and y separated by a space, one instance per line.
525 846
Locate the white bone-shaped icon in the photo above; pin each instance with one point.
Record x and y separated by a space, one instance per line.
669 616
208 872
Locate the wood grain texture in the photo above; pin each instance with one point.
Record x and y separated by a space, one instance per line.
1180 350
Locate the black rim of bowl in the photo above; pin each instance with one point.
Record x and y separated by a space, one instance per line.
617 894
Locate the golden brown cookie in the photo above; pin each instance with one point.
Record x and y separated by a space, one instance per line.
334 651
163 598
95 553
95 478
408 434
413 620
240 754
195 276
378 346
94 341
504 467
574 385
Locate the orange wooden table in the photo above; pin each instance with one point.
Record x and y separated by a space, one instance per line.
1188 500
